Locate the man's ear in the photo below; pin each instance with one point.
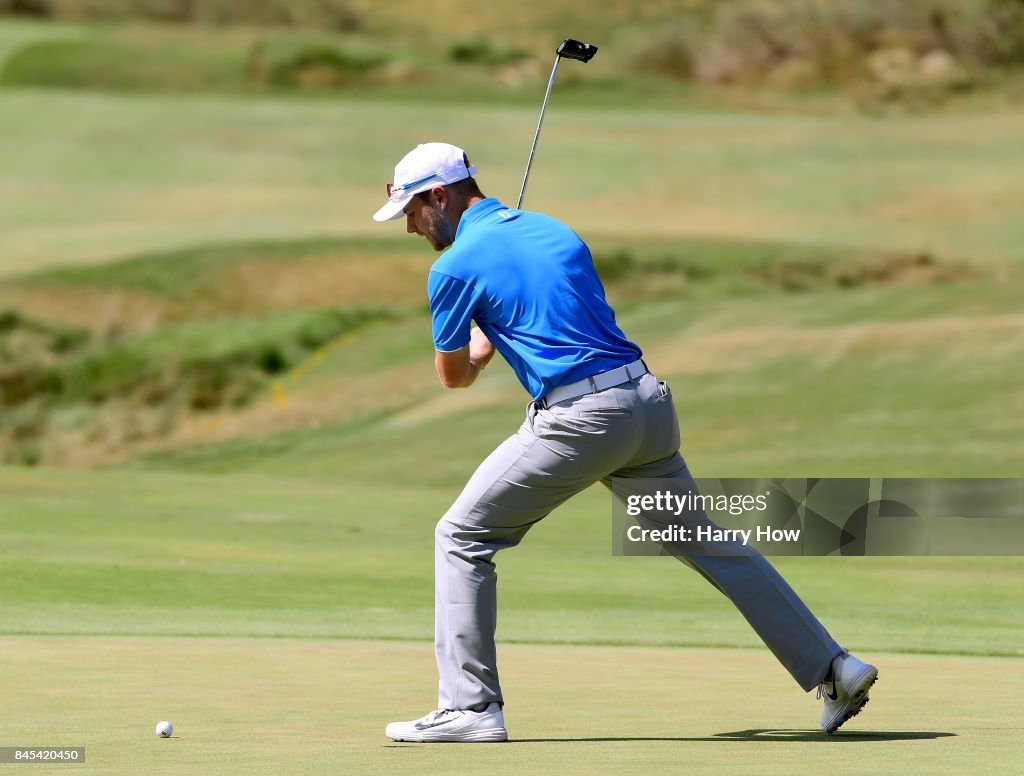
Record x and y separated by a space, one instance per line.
440 195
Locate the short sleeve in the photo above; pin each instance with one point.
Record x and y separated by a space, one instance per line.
452 303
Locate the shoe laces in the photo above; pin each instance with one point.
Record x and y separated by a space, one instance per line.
828 680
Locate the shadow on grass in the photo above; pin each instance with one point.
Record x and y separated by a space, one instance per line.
766 734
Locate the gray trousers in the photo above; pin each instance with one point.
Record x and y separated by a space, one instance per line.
629 431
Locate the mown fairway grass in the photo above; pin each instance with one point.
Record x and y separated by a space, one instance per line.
249 610
302 706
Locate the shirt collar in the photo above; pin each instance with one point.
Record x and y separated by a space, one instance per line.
477 212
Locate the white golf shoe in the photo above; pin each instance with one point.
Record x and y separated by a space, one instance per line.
452 726
845 690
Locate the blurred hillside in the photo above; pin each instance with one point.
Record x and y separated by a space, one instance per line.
877 52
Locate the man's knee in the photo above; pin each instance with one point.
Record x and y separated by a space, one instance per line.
453 536
444 532
478 542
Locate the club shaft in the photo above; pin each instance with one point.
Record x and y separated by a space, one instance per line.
540 121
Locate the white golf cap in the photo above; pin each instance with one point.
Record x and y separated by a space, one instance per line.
425 166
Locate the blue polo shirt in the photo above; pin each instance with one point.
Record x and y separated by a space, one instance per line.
529 283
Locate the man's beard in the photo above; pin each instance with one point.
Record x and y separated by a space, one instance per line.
439 231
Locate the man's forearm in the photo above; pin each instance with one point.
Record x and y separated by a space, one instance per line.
473 371
460 368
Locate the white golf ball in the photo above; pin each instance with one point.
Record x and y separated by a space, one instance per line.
164 729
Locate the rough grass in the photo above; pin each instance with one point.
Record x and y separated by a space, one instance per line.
15 35
334 14
225 281
92 64
258 278
170 59
175 274
67 395
782 42
876 53
180 334
841 382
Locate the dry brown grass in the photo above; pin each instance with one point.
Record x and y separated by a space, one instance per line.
243 289
341 279
102 310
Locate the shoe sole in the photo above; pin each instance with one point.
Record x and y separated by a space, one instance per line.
486 736
859 701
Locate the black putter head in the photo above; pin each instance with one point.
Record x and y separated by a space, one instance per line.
574 49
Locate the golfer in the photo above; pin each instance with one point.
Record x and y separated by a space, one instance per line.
529 284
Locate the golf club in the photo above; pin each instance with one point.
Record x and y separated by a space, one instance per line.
571 49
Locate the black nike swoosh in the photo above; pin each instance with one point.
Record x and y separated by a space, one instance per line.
834 695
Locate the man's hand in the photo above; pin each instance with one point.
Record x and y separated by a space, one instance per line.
459 369
481 351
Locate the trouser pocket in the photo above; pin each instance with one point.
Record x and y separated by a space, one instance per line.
661 430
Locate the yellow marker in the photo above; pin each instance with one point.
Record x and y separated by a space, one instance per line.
280 396
277 388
